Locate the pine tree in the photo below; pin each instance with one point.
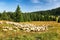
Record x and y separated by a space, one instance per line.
18 15
4 16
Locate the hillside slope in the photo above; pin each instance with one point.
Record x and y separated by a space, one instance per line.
55 11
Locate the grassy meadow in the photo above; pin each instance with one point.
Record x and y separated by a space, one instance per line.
53 32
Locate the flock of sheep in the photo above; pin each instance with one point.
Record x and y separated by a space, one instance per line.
25 27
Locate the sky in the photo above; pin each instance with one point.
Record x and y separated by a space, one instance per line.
28 5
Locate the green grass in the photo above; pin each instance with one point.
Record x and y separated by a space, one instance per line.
52 34
32 36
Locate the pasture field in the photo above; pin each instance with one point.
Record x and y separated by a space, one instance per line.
53 32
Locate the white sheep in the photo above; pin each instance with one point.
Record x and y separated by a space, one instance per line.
4 29
10 28
1 22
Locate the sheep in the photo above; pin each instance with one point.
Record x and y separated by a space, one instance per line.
10 28
32 29
9 22
4 29
1 22
28 30
27 27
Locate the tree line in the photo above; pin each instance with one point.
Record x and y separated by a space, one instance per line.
18 16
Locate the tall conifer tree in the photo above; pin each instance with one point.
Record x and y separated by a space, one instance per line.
18 15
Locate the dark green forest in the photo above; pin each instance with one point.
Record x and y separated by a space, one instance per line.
18 16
